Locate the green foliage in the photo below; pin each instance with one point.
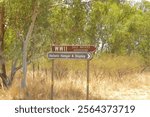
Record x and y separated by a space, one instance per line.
111 26
67 23
116 66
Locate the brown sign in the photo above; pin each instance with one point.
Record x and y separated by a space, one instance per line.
73 48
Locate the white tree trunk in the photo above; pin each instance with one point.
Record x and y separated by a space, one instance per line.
25 45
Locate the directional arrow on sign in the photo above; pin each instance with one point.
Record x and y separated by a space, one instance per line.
70 55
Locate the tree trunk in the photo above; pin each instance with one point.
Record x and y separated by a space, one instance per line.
2 60
25 44
13 70
102 47
23 83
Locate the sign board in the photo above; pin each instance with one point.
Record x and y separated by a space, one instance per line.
73 48
70 55
71 52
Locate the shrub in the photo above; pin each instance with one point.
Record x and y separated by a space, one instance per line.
116 66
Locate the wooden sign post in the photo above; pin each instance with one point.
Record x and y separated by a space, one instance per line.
52 80
87 86
71 52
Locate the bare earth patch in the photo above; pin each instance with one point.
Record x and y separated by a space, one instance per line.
137 90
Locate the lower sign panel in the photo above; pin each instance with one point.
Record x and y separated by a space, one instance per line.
70 55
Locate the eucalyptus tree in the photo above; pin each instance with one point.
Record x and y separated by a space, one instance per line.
140 28
2 31
67 22
21 18
29 27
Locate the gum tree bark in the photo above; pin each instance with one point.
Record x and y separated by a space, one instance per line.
25 45
2 60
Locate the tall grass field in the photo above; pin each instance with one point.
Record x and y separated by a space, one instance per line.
111 78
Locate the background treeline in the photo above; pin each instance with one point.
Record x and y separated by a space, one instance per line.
28 28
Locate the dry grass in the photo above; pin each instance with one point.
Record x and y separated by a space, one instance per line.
110 78
75 88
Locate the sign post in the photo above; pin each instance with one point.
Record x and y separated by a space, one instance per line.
87 88
71 52
52 80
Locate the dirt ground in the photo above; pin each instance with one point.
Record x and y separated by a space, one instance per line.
137 90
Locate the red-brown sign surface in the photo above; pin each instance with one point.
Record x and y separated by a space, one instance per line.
73 48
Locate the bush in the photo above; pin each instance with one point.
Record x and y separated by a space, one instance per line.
116 66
